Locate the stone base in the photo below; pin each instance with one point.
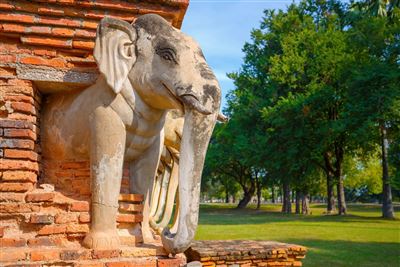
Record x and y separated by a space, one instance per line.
44 217
245 253
144 256
43 227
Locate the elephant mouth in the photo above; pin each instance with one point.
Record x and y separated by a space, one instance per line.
188 100
177 101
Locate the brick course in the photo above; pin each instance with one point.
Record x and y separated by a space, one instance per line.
60 35
245 253
45 256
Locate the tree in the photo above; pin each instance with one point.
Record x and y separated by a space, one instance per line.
363 176
394 157
318 87
218 185
289 93
375 91
229 158
381 8
312 65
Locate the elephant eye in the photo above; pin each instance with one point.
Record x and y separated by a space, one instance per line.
167 57
167 54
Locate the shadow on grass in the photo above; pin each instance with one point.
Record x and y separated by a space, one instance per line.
347 253
227 215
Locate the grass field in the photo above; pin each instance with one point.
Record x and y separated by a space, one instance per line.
360 238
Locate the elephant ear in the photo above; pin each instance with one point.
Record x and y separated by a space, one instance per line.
114 51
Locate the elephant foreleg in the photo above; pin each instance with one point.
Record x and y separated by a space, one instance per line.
142 173
155 196
175 220
162 197
170 197
106 160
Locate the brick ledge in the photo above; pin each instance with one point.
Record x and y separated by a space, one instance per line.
147 255
245 253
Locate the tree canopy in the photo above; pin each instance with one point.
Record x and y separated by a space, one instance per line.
318 95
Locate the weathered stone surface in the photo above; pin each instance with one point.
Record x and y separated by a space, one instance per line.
63 78
42 219
229 252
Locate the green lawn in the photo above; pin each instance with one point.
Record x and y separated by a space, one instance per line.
358 239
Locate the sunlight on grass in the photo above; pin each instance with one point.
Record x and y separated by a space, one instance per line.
360 238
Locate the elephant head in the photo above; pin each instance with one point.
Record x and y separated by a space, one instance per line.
165 68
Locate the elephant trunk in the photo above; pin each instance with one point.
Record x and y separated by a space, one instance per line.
197 131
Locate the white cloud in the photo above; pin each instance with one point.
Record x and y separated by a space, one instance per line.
221 75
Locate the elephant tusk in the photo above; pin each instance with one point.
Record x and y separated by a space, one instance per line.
222 118
192 102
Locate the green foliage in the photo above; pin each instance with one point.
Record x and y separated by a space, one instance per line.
395 163
364 174
378 8
229 160
317 84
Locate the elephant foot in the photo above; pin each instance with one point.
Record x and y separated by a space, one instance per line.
148 236
155 227
102 240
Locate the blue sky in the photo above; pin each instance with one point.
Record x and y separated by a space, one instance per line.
222 27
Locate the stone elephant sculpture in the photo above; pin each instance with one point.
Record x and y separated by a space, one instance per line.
165 186
147 68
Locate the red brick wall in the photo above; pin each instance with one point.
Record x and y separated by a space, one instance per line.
19 128
51 41
73 177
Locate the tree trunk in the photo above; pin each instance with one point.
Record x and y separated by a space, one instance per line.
331 198
287 205
338 173
305 204
341 198
247 195
244 201
273 193
339 154
258 195
226 195
387 205
293 195
298 201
